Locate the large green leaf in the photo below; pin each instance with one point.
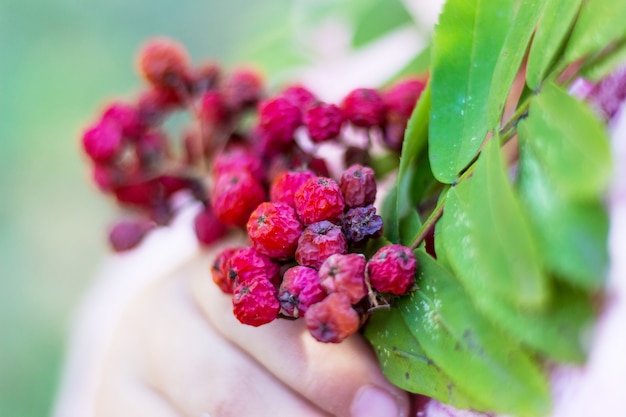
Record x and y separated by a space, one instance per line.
571 143
389 213
482 360
552 31
600 22
375 18
600 67
510 59
466 46
555 331
572 235
405 363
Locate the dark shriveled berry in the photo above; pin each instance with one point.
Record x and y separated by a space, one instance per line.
299 290
127 234
392 269
318 242
358 186
344 274
274 229
362 223
255 302
333 319
319 199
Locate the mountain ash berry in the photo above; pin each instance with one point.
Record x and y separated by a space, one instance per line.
364 107
274 229
286 184
207 227
318 242
163 62
220 271
103 141
344 274
333 319
300 288
358 186
127 234
255 302
278 120
235 195
248 264
392 269
362 223
319 199
323 121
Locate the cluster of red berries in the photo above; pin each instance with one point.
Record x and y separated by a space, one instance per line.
304 261
252 161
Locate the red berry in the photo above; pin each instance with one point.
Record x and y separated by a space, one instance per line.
300 288
103 141
318 242
126 117
243 89
333 319
299 96
150 148
392 269
144 194
344 274
154 104
248 264
127 234
362 223
319 199
220 272
358 186
213 110
235 195
274 229
205 77
207 227
255 302
278 121
402 96
364 107
163 62
238 158
285 186
323 121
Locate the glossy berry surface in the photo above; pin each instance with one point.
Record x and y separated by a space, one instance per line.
332 319
284 187
318 242
344 274
358 186
255 302
392 269
300 288
274 229
319 199
235 195
248 264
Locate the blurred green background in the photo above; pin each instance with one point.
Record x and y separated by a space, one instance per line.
59 62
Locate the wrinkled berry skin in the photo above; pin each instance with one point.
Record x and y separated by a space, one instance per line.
103 141
255 302
358 186
163 62
364 107
274 229
220 272
299 96
207 227
247 264
319 199
344 274
318 242
362 223
333 319
323 121
235 195
127 234
237 158
402 96
284 187
243 89
392 269
278 121
300 288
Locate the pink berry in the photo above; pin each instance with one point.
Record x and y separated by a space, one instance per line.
319 199
364 107
318 242
362 223
358 186
127 234
103 141
333 319
255 302
286 184
278 120
300 288
163 62
344 274
207 227
220 272
402 96
274 229
126 117
243 89
234 196
248 264
323 121
143 194
213 110
392 269
300 96
236 158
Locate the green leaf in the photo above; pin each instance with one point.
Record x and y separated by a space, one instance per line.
391 223
410 227
555 331
465 345
571 143
601 66
600 22
554 26
572 235
416 135
376 18
506 259
466 46
405 363
510 59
